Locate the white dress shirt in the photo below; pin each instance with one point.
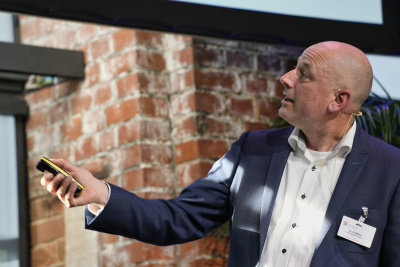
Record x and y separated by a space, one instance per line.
303 197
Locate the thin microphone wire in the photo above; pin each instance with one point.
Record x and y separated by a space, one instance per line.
359 113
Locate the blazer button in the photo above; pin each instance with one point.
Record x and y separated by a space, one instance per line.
303 196
294 225
283 251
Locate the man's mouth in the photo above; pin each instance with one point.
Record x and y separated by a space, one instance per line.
288 100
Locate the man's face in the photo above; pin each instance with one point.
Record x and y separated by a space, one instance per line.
308 89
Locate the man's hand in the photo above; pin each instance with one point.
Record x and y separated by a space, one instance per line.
95 191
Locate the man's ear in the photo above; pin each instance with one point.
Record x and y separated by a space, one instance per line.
341 101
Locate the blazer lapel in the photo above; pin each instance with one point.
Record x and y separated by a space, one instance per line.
273 178
352 168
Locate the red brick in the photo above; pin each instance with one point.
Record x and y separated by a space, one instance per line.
269 108
128 132
105 239
31 165
85 148
34 187
50 25
256 85
41 96
100 47
119 63
157 195
67 87
239 60
93 121
156 130
163 264
182 58
136 251
92 75
160 154
41 255
128 84
85 32
30 143
71 129
123 38
124 158
188 173
66 38
212 149
106 140
58 112
49 254
158 177
208 102
269 64
60 153
183 103
85 50
211 245
160 253
150 60
45 207
241 107
185 127
46 139
217 80
47 230
253 126
279 89
122 111
133 179
81 102
30 29
37 119
97 166
113 258
153 107
186 151
216 262
148 38
44 41
130 253
207 56
153 82
113 180
186 39
223 126
182 80
102 94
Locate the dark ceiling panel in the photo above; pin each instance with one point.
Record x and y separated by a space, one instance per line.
171 16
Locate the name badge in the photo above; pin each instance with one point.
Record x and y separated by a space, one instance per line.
356 231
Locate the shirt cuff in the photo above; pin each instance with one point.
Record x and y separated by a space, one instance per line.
97 213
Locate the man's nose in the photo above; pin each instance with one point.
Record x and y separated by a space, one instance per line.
287 80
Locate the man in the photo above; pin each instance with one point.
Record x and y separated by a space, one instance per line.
321 194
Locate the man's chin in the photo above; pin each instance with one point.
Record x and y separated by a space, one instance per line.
284 116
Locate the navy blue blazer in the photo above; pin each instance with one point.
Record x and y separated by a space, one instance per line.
242 186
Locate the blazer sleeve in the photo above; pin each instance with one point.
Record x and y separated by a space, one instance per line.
390 250
201 207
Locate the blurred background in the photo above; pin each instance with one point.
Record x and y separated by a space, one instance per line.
147 95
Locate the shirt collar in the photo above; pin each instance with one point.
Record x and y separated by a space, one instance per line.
297 142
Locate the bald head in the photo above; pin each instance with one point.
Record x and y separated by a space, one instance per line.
350 69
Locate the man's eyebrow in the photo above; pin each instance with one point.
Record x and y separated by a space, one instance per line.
304 65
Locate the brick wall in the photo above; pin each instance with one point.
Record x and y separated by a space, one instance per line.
153 113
